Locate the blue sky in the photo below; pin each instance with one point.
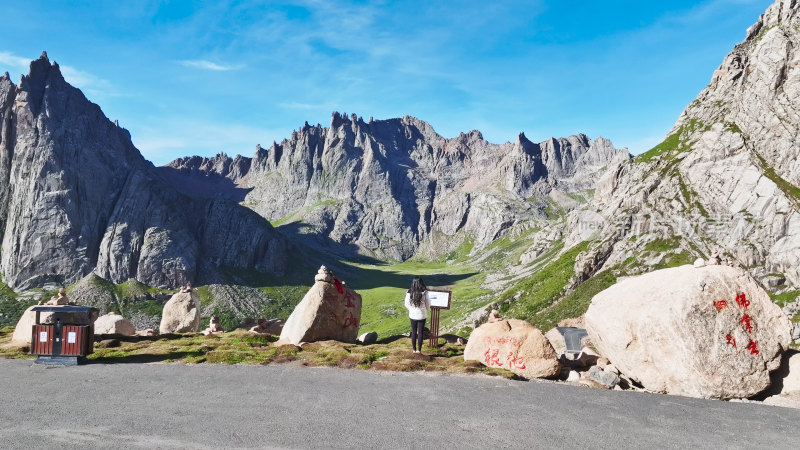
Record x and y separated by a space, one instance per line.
206 77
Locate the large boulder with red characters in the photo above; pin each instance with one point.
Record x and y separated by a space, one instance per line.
709 332
329 311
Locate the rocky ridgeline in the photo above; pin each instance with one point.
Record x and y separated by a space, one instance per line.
389 187
727 178
76 196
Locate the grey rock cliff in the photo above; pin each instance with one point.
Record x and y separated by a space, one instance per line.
727 179
78 197
389 187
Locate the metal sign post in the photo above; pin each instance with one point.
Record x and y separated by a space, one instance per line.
438 300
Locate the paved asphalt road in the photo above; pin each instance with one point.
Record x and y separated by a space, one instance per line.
217 406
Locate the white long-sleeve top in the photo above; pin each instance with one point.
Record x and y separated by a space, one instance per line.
418 312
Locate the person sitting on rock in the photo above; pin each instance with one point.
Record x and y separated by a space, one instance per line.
417 303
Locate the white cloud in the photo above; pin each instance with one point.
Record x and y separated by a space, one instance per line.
206 65
12 62
308 106
169 139
88 83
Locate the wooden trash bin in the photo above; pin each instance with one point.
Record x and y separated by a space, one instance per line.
62 341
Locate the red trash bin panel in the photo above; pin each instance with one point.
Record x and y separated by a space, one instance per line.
43 339
72 340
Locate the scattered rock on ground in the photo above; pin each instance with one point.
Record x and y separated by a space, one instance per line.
181 314
368 338
604 377
113 323
515 345
700 332
573 376
214 327
791 400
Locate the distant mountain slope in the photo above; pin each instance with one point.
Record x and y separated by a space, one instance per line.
388 187
76 196
727 178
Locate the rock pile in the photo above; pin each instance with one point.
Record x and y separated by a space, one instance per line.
706 332
515 345
330 310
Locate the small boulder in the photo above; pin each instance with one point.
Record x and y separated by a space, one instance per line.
604 377
494 316
709 332
113 323
699 262
368 338
515 345
573 376
181 314
214 327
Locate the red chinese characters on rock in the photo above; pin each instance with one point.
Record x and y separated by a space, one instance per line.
731 340
490 357
746 321
348 298
742 300
350 321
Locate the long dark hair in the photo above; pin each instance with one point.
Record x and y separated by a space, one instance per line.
416 291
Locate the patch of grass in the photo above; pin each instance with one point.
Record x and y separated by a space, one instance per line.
763 31
691 197
241 347
675 142
575 303
662 245
790 190
11 310
6 291
784 298
542 288
674 260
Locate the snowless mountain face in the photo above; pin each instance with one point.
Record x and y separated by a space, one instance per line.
391 188
727 177
76 196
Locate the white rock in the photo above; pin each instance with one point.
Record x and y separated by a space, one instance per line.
667 331
113 323
181 314
573 376
699 262
515 345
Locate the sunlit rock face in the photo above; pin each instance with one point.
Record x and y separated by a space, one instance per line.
76 196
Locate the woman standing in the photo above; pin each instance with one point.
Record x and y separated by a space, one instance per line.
417 303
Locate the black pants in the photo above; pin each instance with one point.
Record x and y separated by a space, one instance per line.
417 327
